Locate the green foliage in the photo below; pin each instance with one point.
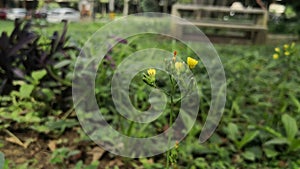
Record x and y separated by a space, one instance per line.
93 165
284 27
150 5
2 160
290 126
290 12
149 165
61 154
29 107
26 52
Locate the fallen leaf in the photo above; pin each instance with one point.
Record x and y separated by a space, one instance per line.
52 145
97 153
15 140
29 141
116 162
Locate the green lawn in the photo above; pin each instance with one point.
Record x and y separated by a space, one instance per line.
6 26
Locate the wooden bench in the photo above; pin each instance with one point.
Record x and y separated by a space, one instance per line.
252 22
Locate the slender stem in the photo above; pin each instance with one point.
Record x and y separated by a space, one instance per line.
53 75
67 114
128 132
170 118
130 128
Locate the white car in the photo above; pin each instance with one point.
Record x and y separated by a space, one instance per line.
15 13
59 14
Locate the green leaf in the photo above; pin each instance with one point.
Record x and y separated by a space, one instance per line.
26 90
295 145
272 131
295 100
38 75
290 126
72 153
93 165
62 64
2 160
79 165
40 128
248 155
18 82
232 131
59 155
249 136
277 141
61 125
256 150
270 152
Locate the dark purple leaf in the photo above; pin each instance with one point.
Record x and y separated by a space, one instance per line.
18 72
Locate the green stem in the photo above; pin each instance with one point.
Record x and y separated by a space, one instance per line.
130 128
67 114
170 119
53 75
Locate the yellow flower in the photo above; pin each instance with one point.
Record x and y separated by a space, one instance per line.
277 49
179 66
285 46
191 62
151 72
275 56
287 53
149 78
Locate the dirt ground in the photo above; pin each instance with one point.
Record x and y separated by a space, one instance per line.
36 150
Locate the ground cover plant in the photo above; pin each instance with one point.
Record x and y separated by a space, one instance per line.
259 129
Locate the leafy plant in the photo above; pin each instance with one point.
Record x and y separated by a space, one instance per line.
80 165
279 139
30 107
24 51
24 108
61 154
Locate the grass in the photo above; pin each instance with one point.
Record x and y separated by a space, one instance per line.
77 31
6 26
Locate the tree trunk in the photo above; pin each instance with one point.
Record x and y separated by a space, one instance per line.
111 5
126 7
166 2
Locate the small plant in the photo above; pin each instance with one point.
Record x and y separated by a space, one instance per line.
288 138
24 107
240 141
286 52
30 107
60 155
179 70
